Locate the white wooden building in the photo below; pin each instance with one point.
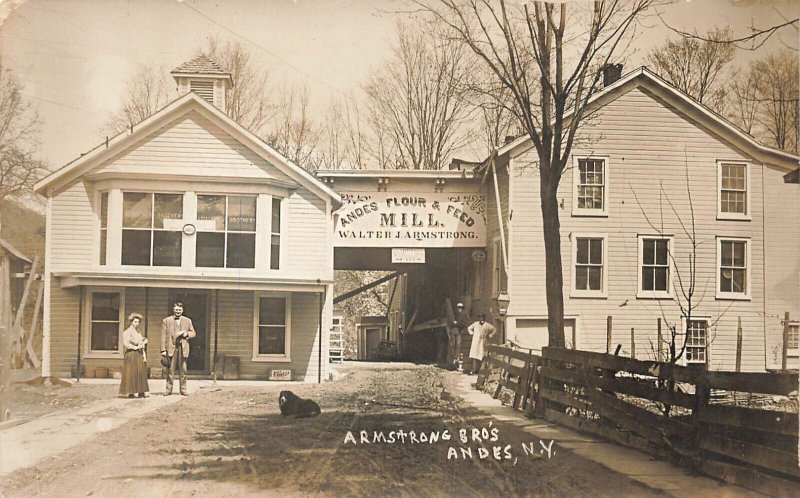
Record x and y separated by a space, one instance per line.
188 205
626 214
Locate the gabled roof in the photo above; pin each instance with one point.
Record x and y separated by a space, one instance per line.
189 102
645 78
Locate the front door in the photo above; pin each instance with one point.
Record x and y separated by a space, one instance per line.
195 306
373 340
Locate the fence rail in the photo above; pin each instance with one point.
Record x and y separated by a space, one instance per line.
680 412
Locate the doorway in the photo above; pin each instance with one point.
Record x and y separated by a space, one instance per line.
195 306
373 340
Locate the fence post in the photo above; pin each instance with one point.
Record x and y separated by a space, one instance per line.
739 346
785 348
701 395
660 339
633 345
608 334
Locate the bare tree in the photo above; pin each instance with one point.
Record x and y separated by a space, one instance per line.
682 273
743 106
19 127
292 131
753 40
776 83
248 102
414 101
149 90
551 67
693 66
343 143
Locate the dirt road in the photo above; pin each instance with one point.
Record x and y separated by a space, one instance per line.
234 442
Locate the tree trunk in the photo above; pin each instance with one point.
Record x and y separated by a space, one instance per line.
552 252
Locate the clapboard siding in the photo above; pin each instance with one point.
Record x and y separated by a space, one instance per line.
192 145
236 326
64 305
649 147
485 301
782 234
308 236
74 229
192 148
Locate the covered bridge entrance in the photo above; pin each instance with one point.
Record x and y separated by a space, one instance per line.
429 228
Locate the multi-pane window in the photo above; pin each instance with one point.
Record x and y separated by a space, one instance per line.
229 241
696 341
148 238
733 266
793 336
655 265
733 188
275 235
271 326
103 226
591 184
105 321
589 264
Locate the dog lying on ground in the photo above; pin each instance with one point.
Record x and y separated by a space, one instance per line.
293 405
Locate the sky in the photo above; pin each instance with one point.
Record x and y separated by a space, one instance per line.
73 57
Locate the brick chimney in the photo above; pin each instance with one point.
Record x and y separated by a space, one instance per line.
611 73
204 77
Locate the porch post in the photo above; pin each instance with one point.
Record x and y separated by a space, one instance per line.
146 310
319 352
216 335
80 329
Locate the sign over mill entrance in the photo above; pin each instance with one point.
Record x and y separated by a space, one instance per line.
393 219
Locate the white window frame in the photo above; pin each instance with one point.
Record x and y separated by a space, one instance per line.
735 296
88 352
576 177
152 228
103 232
747 215
201 227
684 358
273 358
648 294
582 293
793 352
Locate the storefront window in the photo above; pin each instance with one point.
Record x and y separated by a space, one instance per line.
148 237
229 241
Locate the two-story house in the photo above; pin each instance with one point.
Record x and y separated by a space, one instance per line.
189 206
663 201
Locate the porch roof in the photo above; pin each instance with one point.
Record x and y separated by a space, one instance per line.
233 282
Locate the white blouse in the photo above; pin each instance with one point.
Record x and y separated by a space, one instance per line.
132 339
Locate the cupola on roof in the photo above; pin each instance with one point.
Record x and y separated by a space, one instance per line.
205 77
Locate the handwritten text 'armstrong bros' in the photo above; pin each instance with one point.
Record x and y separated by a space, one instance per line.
474 443
383 219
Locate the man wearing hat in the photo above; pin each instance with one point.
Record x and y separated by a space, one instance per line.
457 331
176 330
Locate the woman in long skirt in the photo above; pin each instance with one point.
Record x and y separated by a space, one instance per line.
134 374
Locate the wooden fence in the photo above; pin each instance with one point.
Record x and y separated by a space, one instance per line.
511 369
672 411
